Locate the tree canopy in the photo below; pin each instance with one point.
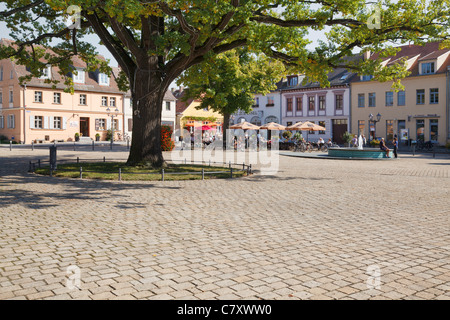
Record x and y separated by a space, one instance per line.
154 41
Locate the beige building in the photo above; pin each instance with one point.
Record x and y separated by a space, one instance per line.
35 112
418 112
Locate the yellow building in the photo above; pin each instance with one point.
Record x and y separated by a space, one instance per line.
36 112
418 112
187 114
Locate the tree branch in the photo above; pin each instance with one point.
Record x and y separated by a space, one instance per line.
21 9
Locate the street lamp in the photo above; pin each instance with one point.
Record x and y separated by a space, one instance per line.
372 119
112 115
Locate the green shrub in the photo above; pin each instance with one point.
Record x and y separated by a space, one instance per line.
347 137
287 135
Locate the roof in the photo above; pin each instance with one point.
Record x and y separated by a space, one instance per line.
428 51
91 78
337 77
182 104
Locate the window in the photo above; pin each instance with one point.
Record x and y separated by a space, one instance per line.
104 101
322 124
389 98
361 127
427 67
167 106
289 104
367 78
57 123
256 105
311 103
293 81
270 102
38 122
256 121
115 124
434 96
11 121
361 100
11 96
38 96
339 102
78 75
1 73
2 122
11 74
299 104
101 124
420 129
83 99
401 101
1 98
103 79
57 98
112 102
130 125
420 96
46 73
389 130
322 104
311 131
434 126
372 99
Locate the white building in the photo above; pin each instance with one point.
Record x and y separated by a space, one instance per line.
267 108
327 107
168 115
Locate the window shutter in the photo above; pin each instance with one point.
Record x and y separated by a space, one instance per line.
64 124
31 122
108 124
52 122
120 125
45 122
13 121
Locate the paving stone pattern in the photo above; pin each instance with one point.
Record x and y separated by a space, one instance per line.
319 229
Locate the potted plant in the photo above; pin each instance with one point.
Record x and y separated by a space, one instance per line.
77 136
347 137
97 137
287 135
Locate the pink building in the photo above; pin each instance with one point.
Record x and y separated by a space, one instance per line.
36 112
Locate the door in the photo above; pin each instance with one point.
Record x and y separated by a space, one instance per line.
84 127
339 128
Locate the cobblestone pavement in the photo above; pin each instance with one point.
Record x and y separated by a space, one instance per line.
319 229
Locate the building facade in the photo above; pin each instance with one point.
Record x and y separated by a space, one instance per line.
327 107
420 111
37 112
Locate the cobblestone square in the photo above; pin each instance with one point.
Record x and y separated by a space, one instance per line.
319 229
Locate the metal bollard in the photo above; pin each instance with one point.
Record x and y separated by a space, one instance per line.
32 145
10 145
120 174
231 172
128 144
29 168
39 163
162 174
243 166
203 174
434 152
104 159
414 150
81 172
78 160
93 145
74 146
51 172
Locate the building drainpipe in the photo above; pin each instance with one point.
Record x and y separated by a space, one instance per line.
281 106
448 102
24 115
349 108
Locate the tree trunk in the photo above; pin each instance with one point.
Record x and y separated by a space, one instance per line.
148 95
226 126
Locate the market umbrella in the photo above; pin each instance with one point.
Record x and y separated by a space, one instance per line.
206 128
272 126
295 127
244 126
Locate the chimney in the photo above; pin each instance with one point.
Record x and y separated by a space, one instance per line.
172 89
181 88
367 55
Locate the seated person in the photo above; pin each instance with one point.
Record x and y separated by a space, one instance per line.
384 148
329 142
320 142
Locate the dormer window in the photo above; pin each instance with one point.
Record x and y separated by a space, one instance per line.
46 73
103 79
78 75
293 81
428 68
366 77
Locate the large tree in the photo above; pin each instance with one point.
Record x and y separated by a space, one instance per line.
155 41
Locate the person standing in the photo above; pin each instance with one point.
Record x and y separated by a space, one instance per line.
395 146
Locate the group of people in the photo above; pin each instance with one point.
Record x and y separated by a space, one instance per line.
356 142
